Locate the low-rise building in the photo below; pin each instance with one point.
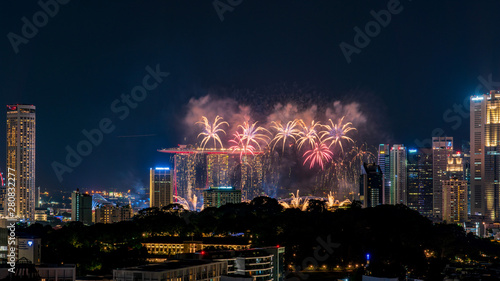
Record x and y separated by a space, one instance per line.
174 270
160 247
218 196
112 214
261 264
57 272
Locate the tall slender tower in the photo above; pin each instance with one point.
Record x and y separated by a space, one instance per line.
385 166
442 148
21 150
398 175
485 155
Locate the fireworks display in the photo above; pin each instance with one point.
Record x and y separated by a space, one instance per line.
249 138
283 133
211 131
274 156
318 155
337 132
318 140
307 134
328 151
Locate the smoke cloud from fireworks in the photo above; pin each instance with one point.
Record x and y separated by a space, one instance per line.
297 130
235 113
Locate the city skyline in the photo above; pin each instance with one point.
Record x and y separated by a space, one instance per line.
312 70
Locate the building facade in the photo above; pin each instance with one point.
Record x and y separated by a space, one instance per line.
419 182
174 270
371 181
21 153
29 248
160 187
384 161
398 194
162 247
485 155
112 214
455 200
442 148
221 195
81 207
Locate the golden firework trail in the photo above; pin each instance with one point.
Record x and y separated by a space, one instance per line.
211 131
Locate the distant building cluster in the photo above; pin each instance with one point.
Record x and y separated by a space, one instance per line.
431 180
440 181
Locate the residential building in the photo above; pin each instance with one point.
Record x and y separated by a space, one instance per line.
21 153
81 207
454 200
110 213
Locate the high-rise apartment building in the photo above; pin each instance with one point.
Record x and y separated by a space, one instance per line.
419 183
21 131
485 155
371 189
398 194
160 187
81 207
454 200
384 161
442 148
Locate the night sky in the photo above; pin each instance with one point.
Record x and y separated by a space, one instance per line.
427 58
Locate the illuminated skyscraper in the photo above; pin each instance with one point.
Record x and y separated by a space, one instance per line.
160 187
189 174
371 189
485 155
21 131
81 207
442 148
420 180
454 200
398 194
218 169
384 162
249 176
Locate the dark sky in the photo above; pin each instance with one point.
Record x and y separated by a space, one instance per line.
426 59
